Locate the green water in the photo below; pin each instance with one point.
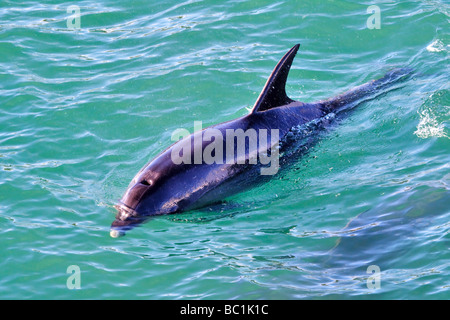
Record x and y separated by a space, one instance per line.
83 109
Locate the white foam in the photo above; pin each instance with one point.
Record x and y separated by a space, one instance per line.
436 46
429 126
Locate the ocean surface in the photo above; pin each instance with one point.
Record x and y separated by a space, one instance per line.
90 93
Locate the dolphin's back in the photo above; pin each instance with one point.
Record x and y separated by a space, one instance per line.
365 91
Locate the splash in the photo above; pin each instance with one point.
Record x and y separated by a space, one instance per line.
437 46
429 126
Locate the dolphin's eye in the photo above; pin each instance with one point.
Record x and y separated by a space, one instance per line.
146 182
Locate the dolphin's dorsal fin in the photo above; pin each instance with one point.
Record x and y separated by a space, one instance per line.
274 92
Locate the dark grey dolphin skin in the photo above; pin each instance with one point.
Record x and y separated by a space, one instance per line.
164 187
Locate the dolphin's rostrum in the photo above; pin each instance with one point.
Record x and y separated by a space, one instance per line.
165 186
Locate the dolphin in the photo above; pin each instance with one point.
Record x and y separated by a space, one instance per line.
179 179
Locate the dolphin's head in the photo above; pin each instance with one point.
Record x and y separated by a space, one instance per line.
142 200
160 187
150 193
